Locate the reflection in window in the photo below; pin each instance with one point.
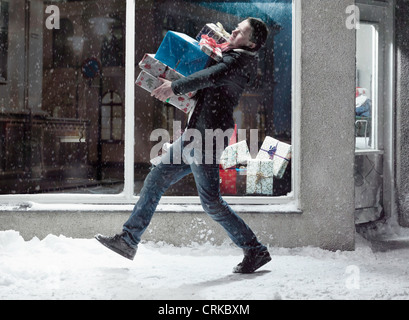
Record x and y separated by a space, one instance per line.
366 91
4 23
57 146
62 45
111 117
113 44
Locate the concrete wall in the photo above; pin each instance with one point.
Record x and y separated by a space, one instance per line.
324 148
327 117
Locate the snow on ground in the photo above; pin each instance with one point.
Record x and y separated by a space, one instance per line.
66 268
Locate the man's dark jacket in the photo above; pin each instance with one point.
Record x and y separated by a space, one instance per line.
220 87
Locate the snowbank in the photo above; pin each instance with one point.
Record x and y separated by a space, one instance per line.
65 268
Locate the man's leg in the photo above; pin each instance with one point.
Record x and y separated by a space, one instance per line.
207 181
155 185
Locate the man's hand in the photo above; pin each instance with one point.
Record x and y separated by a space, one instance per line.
164 91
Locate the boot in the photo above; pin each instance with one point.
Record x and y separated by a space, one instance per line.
118 245
253 259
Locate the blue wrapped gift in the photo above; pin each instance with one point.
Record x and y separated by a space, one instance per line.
182 53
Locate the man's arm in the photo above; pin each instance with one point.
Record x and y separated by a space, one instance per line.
163 92
215 75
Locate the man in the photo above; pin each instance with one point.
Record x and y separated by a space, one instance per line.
219 89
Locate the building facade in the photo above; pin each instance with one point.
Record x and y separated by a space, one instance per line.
75 130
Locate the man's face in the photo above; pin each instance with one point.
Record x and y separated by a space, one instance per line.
240 37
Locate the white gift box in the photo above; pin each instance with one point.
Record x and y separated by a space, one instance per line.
237 153
159 69
214 53
149 83
260 177
215 31
276 151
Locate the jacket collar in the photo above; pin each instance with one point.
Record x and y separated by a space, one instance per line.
251 53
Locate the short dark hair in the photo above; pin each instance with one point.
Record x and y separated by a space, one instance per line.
259 32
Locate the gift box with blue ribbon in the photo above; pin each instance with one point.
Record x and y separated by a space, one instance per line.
182 53
276 151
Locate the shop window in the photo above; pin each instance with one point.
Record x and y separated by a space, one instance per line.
264 109
76 142
4 23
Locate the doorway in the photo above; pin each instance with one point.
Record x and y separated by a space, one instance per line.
374 112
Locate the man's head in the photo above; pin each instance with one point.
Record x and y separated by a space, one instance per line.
250 33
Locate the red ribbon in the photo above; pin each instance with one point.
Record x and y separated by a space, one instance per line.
212 43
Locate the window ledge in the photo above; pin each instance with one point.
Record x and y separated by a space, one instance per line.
287 208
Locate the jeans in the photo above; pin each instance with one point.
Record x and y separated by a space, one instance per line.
206 178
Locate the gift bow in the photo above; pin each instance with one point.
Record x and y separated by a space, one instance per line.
260 176
272 152
222 31
212 43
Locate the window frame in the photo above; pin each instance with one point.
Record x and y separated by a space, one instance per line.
118 202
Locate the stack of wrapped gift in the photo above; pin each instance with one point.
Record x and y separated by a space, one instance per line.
271 162
178 55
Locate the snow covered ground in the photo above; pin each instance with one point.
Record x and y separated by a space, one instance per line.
58 267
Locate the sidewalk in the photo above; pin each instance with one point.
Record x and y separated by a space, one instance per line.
65 268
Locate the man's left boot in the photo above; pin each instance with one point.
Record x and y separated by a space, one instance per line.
118 245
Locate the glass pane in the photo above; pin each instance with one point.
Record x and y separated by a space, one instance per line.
116 98
117 112
264 110
106 133
105 113
116 133
52 123
366 91
107 99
